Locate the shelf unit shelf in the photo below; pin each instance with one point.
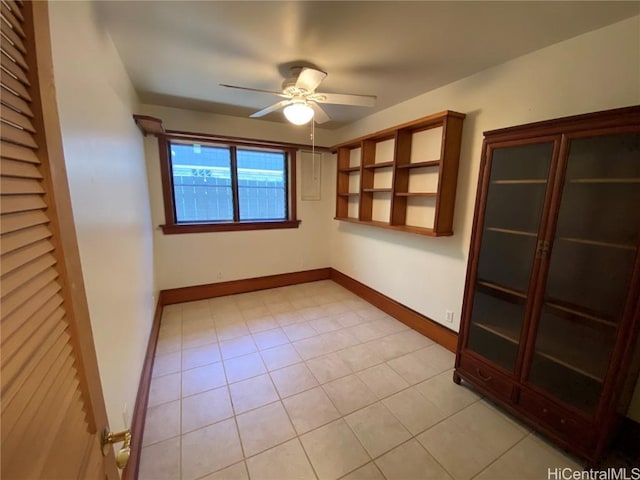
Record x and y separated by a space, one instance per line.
431 163
416 194
376 190
500 288
598 243
532 181
553 347
605 180
390 161
429 232
350 169
511 231
575 310
349 194
379 165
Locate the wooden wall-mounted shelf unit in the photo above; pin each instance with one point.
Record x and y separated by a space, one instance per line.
402 178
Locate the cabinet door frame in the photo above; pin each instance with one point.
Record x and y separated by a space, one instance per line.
623 346
484 178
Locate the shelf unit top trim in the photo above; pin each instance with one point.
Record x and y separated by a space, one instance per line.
627 116
424 122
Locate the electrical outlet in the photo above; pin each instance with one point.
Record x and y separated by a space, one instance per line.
449 316
219 275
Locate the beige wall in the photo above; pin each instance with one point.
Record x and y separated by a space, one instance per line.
105 165
596 71
197 259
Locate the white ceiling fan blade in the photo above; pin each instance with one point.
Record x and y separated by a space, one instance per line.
320 116
309 79
270 109
345 99
280 94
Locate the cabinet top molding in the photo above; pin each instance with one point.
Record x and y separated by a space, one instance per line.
619 117
424 122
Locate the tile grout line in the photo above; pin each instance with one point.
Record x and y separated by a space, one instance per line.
501 455
235 415
321 385
302 361
342 416
281 401
297 436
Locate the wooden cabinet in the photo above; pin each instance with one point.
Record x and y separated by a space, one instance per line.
403 178
551 309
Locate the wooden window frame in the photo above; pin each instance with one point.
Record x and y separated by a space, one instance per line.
172 226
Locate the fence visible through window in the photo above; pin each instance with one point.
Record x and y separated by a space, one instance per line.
203 184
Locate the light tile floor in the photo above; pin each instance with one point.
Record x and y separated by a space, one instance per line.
311 382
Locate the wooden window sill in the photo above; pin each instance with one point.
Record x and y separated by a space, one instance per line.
227 227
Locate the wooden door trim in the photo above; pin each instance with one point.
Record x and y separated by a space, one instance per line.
549 214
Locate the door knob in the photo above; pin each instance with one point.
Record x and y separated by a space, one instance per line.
109 438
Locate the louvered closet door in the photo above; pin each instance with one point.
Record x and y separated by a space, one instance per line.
51 415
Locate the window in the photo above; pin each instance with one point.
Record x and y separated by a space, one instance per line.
203 183
221 186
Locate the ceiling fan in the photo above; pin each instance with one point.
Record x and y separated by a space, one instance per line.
301 104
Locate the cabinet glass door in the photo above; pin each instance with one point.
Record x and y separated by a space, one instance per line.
514 206
591 263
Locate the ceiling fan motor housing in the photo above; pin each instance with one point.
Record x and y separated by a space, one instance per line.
289 84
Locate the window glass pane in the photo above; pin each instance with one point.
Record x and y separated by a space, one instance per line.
202 183
262 185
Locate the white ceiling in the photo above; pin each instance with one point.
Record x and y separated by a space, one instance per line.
177 52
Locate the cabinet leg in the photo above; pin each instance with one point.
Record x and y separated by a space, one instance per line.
456 379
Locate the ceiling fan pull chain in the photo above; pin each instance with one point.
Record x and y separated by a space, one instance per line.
313 149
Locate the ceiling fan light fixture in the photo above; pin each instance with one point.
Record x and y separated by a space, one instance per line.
298 113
